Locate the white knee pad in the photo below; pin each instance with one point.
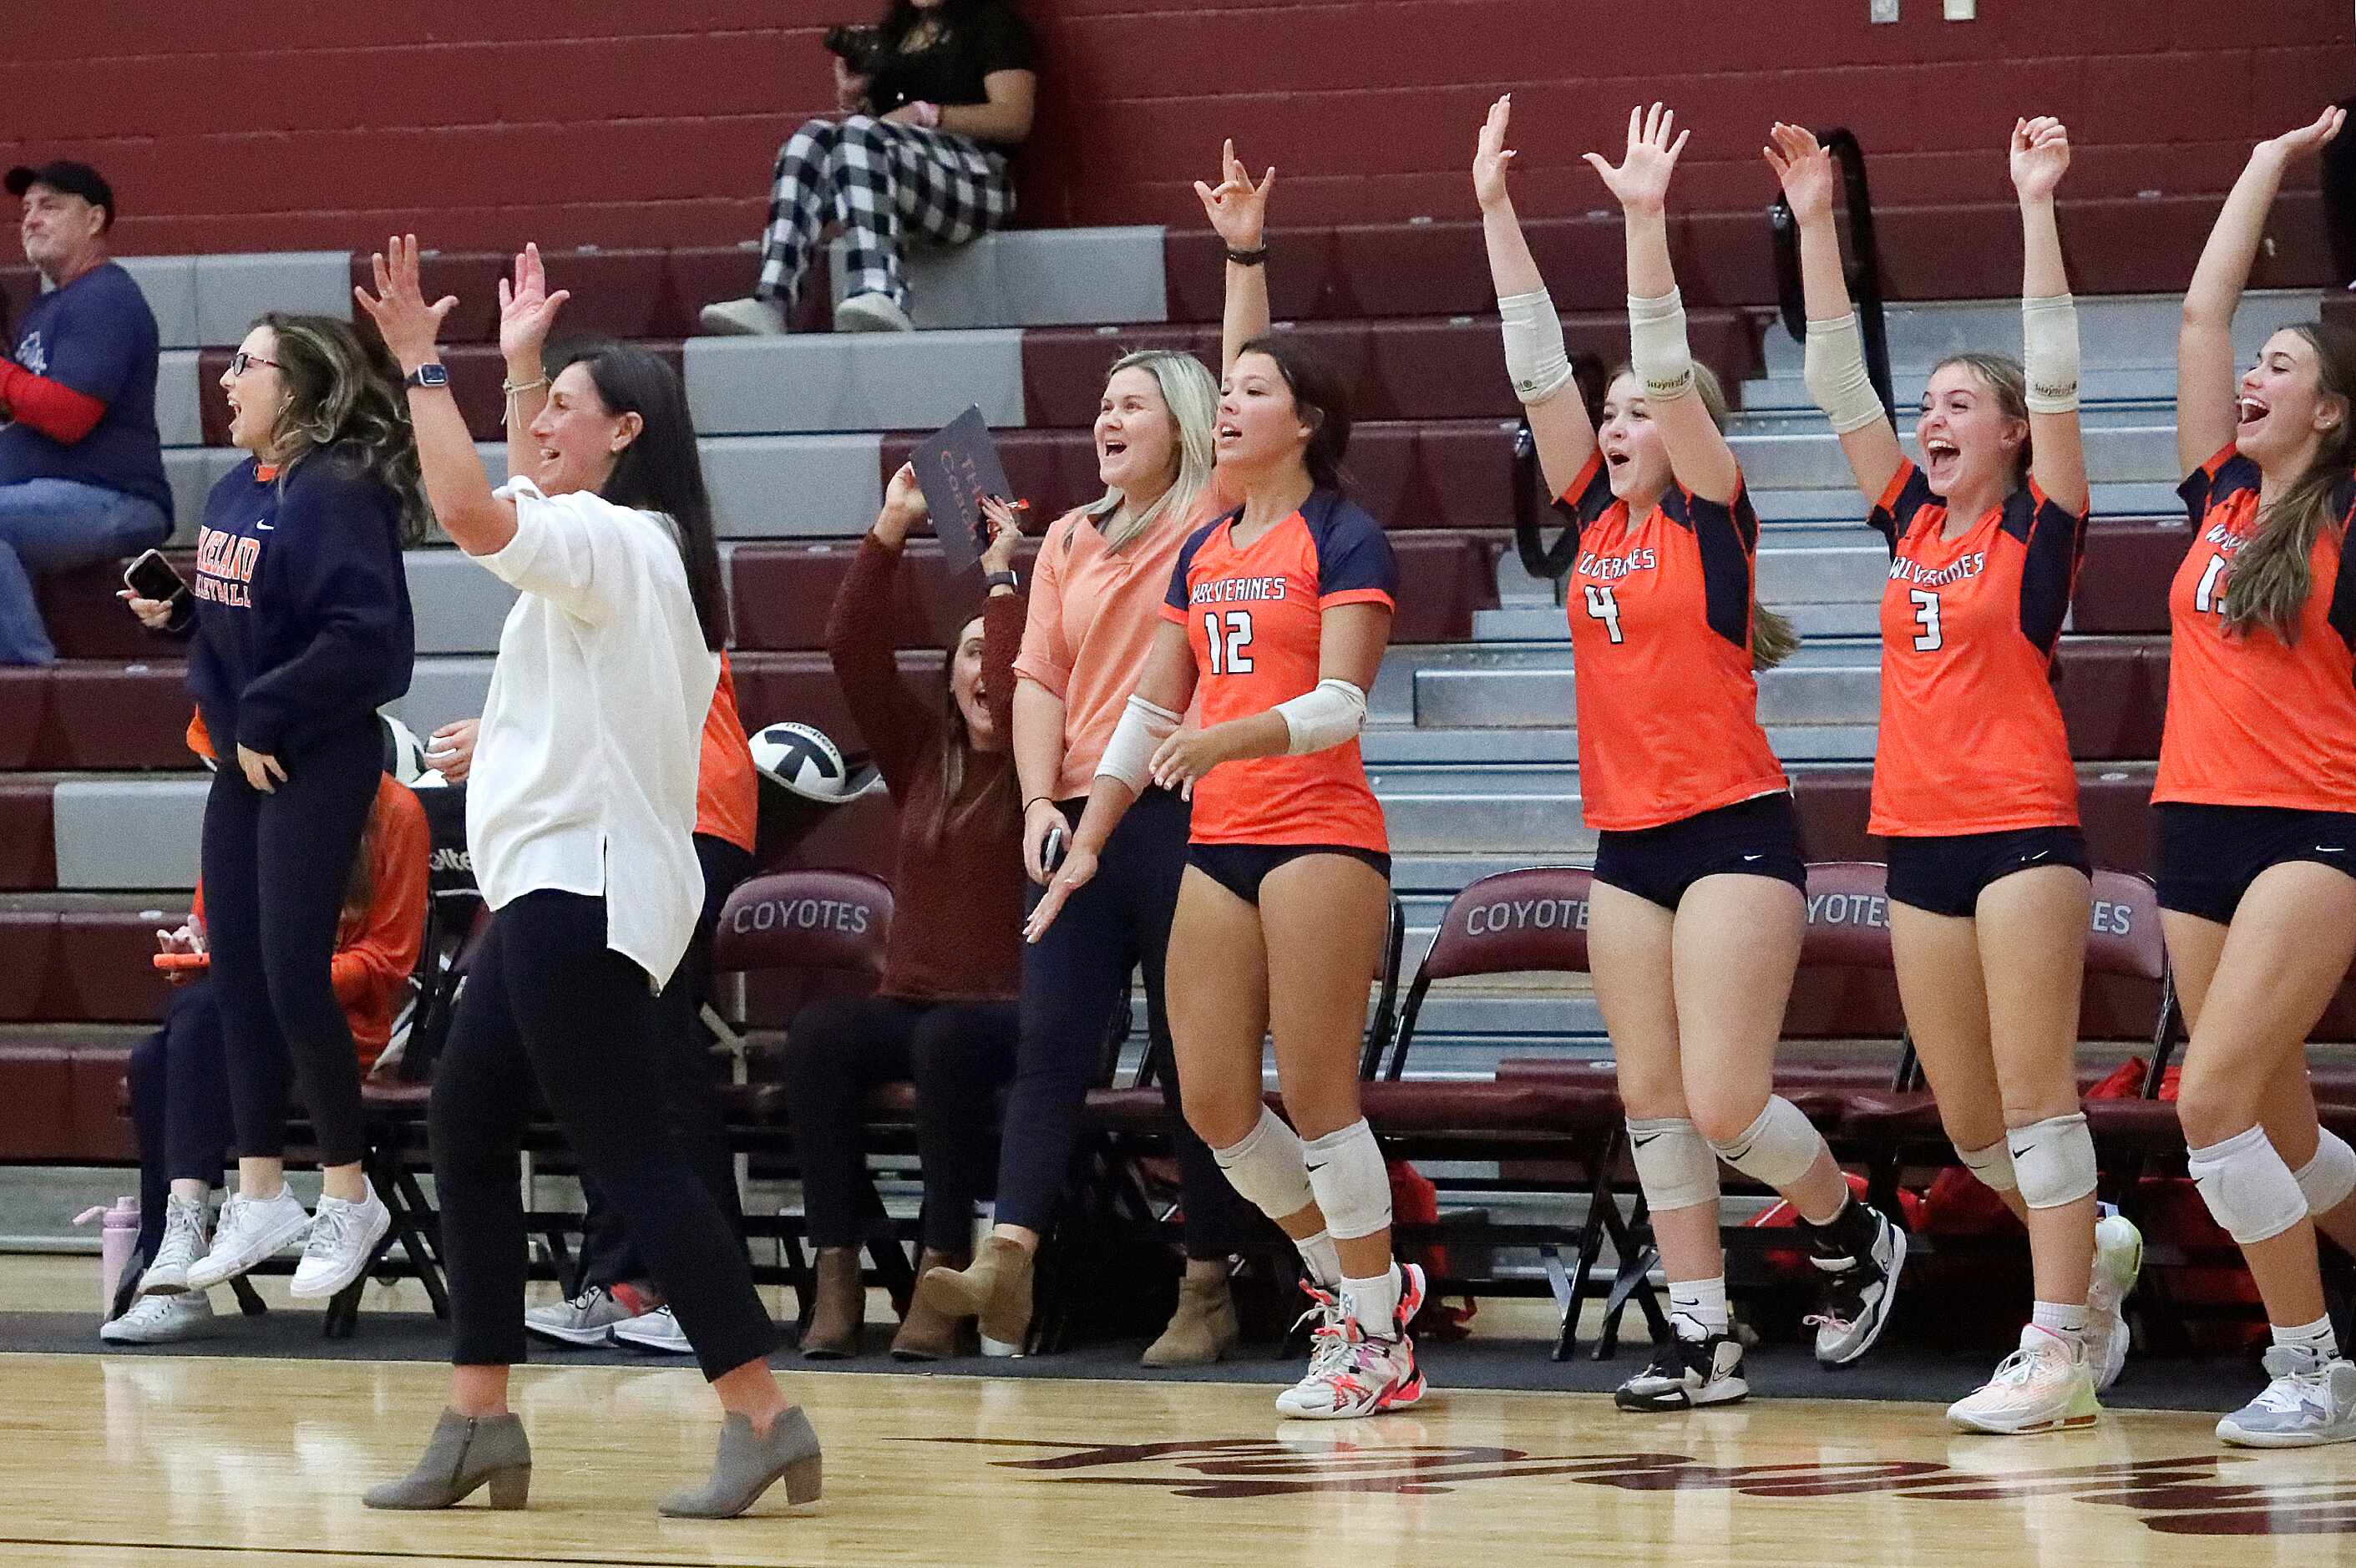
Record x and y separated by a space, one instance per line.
1352 1186
1267 1169
2055 1160
2330 1176
2249 1190
1778 1149
1674 1164
1992 1165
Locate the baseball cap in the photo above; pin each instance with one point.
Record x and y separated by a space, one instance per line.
64 175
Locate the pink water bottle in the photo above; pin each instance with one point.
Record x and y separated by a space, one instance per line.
118 1234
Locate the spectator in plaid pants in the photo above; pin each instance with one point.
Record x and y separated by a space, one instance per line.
938 92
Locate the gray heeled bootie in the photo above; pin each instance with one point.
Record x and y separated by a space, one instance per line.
464 1453
748 1464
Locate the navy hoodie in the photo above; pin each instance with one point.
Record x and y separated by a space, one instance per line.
303 621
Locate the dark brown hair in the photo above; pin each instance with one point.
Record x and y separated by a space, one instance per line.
1320 400
959 756
2274 574
343 391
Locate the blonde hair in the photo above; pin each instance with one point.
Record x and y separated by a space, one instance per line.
2009 384
2274 575
1772 637
343 390
1192 396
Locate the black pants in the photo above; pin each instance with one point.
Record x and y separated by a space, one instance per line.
690 1094
1072 981
551 1013
959 1053
275 867
179 1103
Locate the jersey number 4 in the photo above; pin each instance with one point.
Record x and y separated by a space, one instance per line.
1926 615
1602 606
1230 654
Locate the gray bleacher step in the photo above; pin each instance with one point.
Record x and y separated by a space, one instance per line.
1541 823
210 301
1449 873
817 382
1034 277
128 832
2114 330
1539 696
1809 460
1857 618
1389 749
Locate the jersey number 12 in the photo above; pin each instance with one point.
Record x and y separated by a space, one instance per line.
1602 606
1230 655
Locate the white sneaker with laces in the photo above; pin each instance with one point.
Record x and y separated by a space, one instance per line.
2310 1402
587 1319
2118 1261
2044 1386
252 1229
749 317
183 1242
1694 1368
343 1238
1858 1294
655 1330
164 1320
1351 1374
871 312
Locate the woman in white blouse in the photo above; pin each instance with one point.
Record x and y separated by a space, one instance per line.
580 814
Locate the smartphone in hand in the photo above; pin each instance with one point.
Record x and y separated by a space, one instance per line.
152 577
1051 854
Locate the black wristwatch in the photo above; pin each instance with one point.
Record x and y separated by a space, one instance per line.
1001 580
427 377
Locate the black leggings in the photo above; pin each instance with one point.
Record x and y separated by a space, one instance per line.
1072 980
551 1012
275 867
959 1053
179 1103
690 1094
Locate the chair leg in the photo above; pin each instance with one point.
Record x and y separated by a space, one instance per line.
1633 1239
248 1300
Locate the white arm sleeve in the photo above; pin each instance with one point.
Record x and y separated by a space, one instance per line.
1534 356
1129 755
1657 347
1329 714
1837 379
2049 352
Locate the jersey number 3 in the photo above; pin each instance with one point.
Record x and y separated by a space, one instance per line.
1926 615
1602 606
1230 655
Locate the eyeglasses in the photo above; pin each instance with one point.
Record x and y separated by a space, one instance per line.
240 359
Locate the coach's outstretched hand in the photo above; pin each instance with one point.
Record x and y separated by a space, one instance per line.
410 326
1079 870
527 310
1642 179
1236 208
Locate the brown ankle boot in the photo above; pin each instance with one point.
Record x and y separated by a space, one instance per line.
838 1307
1204 1328
995 1288
927 1334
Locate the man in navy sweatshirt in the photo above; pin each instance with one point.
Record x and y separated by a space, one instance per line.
82 466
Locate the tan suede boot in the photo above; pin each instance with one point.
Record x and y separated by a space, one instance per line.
1204 1328
838 1307
995 1288
927 1334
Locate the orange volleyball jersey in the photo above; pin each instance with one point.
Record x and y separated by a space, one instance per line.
2252 720
1972 738
1660 640
727 795
1253 615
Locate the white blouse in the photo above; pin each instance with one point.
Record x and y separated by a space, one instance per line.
585 770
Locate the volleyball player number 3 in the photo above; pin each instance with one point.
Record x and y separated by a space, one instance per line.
1602 606
1926 615
1230 650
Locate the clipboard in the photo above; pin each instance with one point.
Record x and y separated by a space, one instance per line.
955 467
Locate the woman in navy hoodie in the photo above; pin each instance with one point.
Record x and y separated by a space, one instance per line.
302 630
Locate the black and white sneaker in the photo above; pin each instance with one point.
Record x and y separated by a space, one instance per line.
1860 1253
1690 1370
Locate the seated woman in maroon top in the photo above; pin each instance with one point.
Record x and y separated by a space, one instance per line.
945 1014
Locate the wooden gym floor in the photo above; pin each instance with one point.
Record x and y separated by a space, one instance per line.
109 1459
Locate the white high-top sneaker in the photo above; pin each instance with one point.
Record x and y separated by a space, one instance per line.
163 1320
184 1241
343 1238
2312 1402
2044 1386
1351 1373
252 1229
2118 1261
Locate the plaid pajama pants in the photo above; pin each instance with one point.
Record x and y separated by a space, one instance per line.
874 179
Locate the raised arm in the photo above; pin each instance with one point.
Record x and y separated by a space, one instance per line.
456 485
1534 356
1837 376
1238 211
2204 343
527 311
1699 455
2048 317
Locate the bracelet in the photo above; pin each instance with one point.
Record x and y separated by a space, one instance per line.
929 115
1247 257
512 389
1035 800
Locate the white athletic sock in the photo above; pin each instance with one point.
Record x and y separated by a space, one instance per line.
1375 1302
1323 1258
2062 1320
1703 1300
2314 1338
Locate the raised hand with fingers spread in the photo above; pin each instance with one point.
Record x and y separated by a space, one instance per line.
410 326
1805 170
1641 179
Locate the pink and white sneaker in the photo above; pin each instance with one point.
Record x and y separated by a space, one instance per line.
1352 1373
